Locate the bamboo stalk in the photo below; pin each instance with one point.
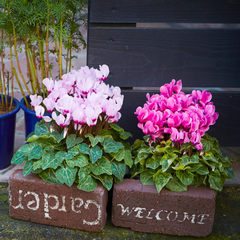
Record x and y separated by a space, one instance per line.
55 39
3 77
28 65
41 60
35 69
10 44
60 49
32 71
70 56
67 61
1 89
16 55
20 86
47 57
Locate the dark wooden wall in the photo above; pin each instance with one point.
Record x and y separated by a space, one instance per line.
144 56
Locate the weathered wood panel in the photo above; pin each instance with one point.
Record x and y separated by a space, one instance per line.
171 11
152 57
226 129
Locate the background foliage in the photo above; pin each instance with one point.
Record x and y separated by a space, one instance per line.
34 24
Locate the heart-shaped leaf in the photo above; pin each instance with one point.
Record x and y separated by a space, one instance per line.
102 166
81 160
18 158
161 179
67 175
72 141
28 167
49 175
146 177
94 140
176 185
95 153
118 169
86 182
84 148
128 158
110 145
185 176
106 180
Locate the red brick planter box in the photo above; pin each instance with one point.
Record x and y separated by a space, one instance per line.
141 208
32 199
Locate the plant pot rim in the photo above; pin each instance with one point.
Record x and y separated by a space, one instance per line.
14 111
29 111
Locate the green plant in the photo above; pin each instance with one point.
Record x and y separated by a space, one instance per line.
166 165
81 160
177 150
81 142
31 26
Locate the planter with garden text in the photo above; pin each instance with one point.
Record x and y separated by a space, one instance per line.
73 157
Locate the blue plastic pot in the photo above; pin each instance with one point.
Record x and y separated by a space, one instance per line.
30 117
7 134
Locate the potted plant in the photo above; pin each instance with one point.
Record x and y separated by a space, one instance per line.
9 106
80 145
32 26
177 155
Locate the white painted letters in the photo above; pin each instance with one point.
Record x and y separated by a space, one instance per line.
139 211
125 210
19 200
78 206
99 212
202 217
33 201
163 215
46 206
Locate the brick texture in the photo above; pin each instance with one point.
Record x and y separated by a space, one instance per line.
32 199
141 208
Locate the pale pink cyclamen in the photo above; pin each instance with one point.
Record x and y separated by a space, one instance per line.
81 96
185 118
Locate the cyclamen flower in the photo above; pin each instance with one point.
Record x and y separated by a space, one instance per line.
103 73
35 100
40 114
49 83
81 98
61 120
185 118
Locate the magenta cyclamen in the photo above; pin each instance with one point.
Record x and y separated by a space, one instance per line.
184 117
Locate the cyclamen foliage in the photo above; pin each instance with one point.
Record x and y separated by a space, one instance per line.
81 103
167 166
175 115
58 159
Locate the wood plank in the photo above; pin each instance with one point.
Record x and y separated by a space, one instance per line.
226 129
152 57
174 11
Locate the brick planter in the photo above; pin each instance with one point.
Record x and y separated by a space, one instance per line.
141 208
32 199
